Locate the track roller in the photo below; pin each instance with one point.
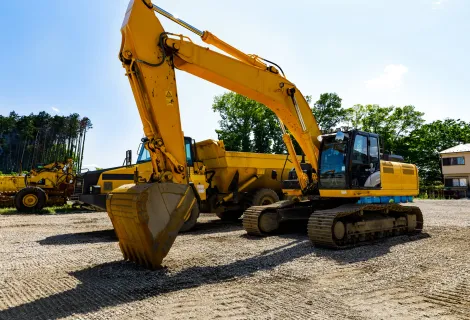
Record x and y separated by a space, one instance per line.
351 225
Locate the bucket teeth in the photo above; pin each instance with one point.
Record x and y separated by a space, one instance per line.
147 218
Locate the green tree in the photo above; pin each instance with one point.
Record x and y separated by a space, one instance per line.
423 145
391 123
328 111
41 138
247 125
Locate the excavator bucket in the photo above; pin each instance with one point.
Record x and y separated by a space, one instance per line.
147 217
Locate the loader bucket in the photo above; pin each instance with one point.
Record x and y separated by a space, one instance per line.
147 217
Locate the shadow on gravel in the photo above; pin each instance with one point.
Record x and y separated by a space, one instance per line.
43 212
215 226
367 252
296 230
119 282
81 237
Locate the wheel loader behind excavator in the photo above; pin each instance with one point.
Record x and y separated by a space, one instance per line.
343 192
44 185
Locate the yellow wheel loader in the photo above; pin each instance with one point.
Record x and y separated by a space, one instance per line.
343 192
224 182
46 185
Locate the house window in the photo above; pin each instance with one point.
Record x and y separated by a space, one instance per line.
456 182
453 161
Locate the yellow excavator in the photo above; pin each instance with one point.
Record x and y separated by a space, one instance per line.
347 193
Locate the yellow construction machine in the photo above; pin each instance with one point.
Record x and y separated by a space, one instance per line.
50 184
224 182
340 192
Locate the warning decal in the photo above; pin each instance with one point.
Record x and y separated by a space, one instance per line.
169 98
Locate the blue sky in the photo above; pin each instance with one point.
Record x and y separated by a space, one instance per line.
61 56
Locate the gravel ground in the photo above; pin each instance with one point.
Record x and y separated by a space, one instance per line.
69 267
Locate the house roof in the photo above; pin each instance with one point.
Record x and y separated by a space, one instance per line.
459 148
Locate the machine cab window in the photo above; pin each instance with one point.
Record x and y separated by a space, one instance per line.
333 159
349 160
144 154
188 148
365 161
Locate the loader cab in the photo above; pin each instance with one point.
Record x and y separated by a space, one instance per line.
349 160
144 155
189 150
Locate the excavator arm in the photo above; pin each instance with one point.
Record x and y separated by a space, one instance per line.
149 55
147 217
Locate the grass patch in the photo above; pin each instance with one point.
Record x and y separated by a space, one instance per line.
47 210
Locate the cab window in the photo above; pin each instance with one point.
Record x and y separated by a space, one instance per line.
373 149
188 151
360 149
144 155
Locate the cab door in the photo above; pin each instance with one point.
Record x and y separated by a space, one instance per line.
365 161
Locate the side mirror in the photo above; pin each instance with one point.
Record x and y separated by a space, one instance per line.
339 137
274 175
128 160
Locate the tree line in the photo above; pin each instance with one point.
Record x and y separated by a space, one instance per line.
26 141
249 126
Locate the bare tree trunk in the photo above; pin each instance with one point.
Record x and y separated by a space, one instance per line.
33 154
22 154
82 151
79 149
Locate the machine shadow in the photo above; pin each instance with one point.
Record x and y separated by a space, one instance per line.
295 230
215 226
119 282
44 212
366 252
81 237
110 236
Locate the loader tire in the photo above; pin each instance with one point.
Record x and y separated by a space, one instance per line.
263 197
191 221
30 199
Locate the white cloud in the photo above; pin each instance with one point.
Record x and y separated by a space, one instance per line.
55 109
391 78
437 3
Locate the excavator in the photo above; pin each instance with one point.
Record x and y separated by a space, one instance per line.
347 194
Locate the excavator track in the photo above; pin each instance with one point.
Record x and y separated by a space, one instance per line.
353 225
262 220
250 221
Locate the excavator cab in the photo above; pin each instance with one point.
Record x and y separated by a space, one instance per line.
349 160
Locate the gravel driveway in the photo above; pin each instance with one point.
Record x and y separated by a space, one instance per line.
69 267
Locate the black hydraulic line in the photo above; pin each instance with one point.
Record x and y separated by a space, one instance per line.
160 43
285 162
266 60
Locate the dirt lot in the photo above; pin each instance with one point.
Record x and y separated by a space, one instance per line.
69 266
